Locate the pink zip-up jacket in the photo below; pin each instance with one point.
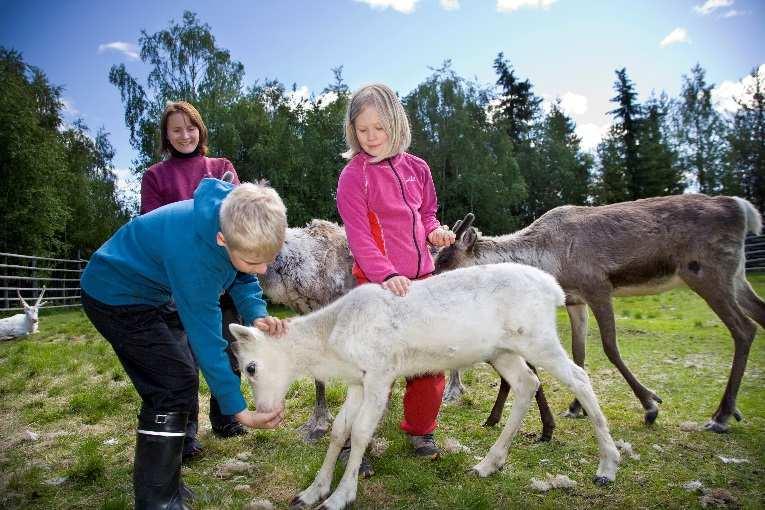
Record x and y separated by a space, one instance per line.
388 209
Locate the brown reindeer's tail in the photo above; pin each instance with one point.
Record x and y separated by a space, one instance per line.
753 218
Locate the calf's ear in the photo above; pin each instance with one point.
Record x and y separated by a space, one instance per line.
241 333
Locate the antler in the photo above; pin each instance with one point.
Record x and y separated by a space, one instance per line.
37 303
228 176
21 298
462 225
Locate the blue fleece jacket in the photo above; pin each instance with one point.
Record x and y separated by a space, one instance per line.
172 251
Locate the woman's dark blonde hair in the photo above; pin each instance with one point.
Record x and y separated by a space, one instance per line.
195 118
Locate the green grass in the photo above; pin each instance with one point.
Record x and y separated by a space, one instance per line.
65 385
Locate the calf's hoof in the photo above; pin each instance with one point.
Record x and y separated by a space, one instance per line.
297 503
737 415
576 414
327 506
544 437
716 426
601 481
452 396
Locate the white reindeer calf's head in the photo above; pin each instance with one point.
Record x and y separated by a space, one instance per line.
265 364
31 312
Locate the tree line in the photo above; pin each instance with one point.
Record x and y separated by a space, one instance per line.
493 149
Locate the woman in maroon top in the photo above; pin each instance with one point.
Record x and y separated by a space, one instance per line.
184 146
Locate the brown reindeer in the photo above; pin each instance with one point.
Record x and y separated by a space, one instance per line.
635 248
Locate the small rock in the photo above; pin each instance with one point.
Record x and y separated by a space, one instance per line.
693 486
732 460
657 447
244 456
110 442
55 481
236 467
451 445
242 488
552 482
30 436
626 448
717 497
690 426
378 445
259 504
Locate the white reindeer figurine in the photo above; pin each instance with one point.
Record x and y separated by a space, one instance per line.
503 314
22 324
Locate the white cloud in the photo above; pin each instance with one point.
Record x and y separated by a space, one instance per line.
678 35
727 95
514 5
128 49
450 5
405 6
591 135
712 5
67 106
733 13
573 104
297 97
326 99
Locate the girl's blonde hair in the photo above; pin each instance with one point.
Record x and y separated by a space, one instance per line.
253 220
392 117
195 118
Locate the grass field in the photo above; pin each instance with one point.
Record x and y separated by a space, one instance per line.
68 426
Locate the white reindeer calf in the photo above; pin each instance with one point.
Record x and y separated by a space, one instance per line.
503 314
22 323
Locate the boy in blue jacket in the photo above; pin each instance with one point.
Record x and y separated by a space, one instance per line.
193 250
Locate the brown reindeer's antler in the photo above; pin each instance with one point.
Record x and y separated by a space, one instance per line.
228 176
462 225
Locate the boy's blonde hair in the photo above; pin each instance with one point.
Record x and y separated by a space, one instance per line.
392 117
253 220
192 113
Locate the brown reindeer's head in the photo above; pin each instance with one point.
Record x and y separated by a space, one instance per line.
459 254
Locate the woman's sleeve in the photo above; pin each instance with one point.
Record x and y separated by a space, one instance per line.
353 209
150 196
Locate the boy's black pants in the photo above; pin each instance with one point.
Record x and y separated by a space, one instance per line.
160 366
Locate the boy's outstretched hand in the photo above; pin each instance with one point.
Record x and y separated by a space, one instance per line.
274 326
256 420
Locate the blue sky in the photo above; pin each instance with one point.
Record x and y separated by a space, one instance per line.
567 48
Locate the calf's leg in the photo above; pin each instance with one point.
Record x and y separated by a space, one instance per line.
341 429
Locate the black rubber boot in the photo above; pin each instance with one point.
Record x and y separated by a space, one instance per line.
157 468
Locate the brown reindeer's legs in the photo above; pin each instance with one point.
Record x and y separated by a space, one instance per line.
496 412
545 414
320 420
577 314
723 303
604 314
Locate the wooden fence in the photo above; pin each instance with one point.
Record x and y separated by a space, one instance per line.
755 254
28 275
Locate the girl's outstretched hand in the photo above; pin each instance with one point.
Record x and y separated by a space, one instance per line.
256 420
399 285
441 236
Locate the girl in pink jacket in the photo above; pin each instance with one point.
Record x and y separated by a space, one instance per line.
388 204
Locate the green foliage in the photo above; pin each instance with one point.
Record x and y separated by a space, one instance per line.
57 190
745 162
471 158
